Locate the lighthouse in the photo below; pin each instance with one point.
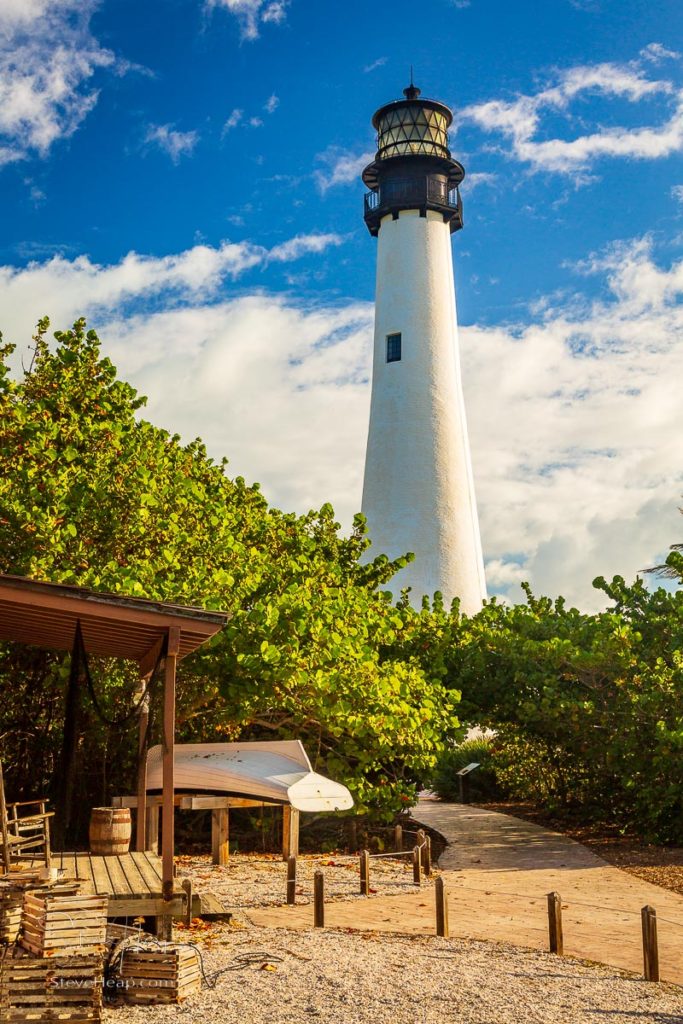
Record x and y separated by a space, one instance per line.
418 490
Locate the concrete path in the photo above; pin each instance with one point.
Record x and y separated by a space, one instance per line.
498 870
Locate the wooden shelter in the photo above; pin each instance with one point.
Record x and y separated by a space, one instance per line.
48 615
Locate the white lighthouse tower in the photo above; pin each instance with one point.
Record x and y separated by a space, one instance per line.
418 492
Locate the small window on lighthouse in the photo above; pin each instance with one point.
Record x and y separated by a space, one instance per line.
393 348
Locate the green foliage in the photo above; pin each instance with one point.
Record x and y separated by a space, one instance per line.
93 494
588 708
483 783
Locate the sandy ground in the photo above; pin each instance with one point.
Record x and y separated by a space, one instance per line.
498 870
273 976
260 880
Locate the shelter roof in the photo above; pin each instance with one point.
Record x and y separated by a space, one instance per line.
45 615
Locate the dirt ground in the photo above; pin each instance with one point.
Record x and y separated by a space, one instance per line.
659 865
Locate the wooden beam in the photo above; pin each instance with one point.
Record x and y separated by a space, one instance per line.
143 738
220 836
290 832
167 837
152 800
152 828
213 803
148 662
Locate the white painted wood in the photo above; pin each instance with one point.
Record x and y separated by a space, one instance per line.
274 770
418 491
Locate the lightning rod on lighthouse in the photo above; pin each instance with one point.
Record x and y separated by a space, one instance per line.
418 491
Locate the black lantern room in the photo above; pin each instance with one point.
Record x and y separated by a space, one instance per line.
413 168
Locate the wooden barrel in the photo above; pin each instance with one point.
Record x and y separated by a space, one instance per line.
110 830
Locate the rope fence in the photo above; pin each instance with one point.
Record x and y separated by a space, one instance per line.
421 858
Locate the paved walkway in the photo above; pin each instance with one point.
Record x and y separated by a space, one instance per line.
498 870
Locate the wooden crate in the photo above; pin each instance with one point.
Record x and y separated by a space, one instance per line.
11 903
117 933
12 898
63 925
64 989
166 975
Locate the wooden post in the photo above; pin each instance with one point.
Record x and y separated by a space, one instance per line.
353 835
416 865
291 881
422 843
290 832
152 830
167 838
398 839
141 820
427 856
319 899
46 834
365 872
187 888
650 950
555 923
441 907
147 668
220 836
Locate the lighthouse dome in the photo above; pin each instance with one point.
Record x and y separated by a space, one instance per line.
412 127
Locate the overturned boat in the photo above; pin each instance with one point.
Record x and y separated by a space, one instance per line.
277 771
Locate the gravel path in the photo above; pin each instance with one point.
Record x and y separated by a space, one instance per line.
259 880
351 978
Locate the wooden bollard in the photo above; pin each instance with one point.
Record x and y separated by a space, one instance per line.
427 856
186 885
365 873
291 881
555 923
319 899
441 908
398 839
353 835
416 865
650 950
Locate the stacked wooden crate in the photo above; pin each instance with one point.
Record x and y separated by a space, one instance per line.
63 925
157 975
64 989
12 892
11 901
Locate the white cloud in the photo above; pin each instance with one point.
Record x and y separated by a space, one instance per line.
342 167
478 178
575 421
677 192
275 12
574 414
48 57
271 104
256 122
520 120
656 52
252 13
175 144
67 287
302 245
234 119
379 63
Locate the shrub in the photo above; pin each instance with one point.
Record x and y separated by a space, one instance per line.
483 782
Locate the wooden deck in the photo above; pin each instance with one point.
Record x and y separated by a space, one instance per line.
132 881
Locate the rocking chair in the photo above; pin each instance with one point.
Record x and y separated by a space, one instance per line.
24 834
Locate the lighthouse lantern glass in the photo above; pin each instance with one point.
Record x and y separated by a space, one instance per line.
412 129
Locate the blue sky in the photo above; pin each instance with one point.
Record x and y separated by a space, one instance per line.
186 172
